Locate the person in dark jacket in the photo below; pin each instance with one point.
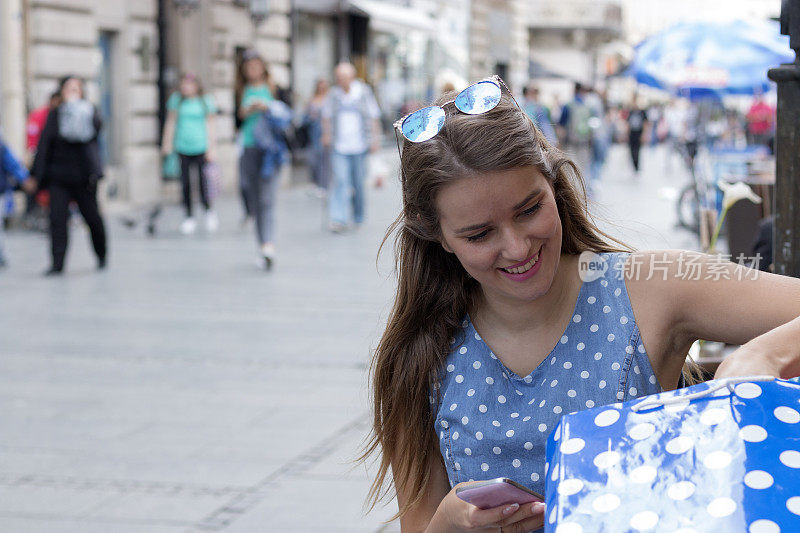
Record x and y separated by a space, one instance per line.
68 164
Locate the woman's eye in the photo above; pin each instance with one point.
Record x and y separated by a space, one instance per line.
479 236
532 209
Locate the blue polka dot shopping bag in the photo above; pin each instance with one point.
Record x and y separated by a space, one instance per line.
722 456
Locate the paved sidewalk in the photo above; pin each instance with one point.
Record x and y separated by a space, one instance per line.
184 389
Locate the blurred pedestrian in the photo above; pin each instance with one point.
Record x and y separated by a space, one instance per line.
189 131
67 163
253 90
319 156
637 120
538 113
269 135
12 172
760 122
576 130
256 92
602 138
351 128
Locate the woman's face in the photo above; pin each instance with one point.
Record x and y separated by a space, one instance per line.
189 87
253 70
72 90
505 230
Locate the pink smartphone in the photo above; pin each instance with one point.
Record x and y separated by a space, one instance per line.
497 492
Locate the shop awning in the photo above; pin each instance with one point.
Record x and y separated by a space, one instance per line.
392 18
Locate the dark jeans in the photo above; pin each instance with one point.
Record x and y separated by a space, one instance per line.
260 193
85 195
635 143
187 162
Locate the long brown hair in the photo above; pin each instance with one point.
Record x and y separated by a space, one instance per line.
434 291
241 80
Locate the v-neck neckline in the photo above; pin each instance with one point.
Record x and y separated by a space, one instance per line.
504 368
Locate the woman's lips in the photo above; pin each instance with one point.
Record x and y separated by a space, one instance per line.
524 271
523 266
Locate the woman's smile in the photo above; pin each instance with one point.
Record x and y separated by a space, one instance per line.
523 270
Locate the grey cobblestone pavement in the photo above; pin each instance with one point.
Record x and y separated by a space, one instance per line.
184 389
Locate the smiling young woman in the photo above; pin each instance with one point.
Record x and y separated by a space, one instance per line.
493 334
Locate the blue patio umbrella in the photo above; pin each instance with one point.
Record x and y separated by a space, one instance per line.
697 59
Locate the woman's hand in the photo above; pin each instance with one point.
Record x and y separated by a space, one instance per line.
514 518
775 353
749 360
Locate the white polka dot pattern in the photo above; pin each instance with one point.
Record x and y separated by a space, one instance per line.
720 463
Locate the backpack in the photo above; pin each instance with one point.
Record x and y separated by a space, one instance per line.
76 121
579 129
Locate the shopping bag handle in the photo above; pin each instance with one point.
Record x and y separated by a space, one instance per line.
652 403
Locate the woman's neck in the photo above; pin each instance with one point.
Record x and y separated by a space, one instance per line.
511 316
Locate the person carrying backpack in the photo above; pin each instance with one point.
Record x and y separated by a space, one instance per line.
576 129
189 131
68 164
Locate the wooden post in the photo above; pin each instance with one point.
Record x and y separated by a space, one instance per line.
786 234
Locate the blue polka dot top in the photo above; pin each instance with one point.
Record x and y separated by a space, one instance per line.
493 423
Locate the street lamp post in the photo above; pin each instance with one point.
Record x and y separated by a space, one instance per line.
786 235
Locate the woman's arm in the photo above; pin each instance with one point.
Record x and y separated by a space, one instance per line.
97 122
211 148
256 107
441 511
43 149
692 296
168 135
418 518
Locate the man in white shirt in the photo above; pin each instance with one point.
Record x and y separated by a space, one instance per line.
351 127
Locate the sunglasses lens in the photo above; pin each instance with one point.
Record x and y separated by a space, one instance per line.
423 124
478 98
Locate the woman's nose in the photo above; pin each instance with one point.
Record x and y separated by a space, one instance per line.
516 245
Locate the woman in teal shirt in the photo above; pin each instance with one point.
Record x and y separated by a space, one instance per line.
253 95
189 131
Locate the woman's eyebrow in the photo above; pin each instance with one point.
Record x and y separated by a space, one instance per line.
528 198
472 228
520 205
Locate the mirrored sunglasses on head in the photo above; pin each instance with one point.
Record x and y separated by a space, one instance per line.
480 97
